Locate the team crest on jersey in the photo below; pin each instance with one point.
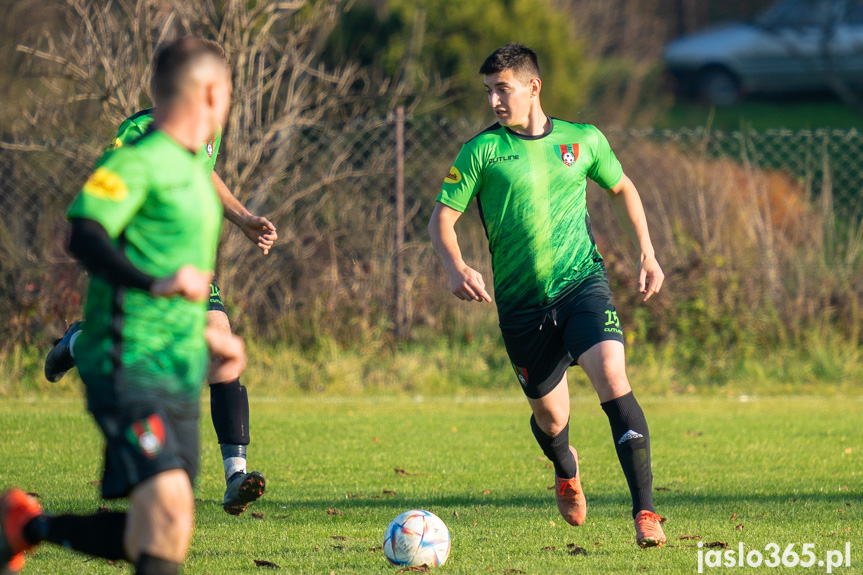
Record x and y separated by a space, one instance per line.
210 143
148 435
568 153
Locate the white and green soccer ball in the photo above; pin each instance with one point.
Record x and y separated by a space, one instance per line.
415 538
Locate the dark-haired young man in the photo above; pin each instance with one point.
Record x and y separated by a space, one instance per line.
146 226
528 174
229 401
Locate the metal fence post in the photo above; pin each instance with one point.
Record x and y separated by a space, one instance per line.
400 318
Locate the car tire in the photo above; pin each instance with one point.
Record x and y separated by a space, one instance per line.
718 86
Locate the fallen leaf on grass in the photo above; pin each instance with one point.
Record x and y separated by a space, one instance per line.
352 496
694 433
334 512
549 548
378 548
339 537
486 491
338 547
682 537
268 564
733 516
375 440
662 489
97 482
577 550
513 571
400 471
739 527
257 515
455 514
389 492
715 544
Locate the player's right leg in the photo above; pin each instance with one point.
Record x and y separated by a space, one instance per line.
229 407
61 357
540 361
160 520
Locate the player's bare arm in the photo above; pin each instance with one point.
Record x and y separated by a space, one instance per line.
187 282
258 229
630 213
226 350
465 282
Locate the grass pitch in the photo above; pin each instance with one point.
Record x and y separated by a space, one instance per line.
778 470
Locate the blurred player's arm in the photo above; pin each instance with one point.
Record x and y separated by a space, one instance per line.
227 351
258 229
92 246
466 283
630 213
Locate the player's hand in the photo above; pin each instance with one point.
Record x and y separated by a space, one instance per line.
227 351
261 232
467 284
650 276
187 282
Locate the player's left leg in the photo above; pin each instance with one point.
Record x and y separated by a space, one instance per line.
605 366
229 407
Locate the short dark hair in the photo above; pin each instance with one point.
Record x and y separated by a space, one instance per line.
174 61
520 59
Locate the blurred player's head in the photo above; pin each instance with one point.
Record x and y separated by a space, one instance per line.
193 71
512 83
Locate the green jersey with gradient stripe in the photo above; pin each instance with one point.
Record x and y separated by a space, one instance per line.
156 201
137 125
531 196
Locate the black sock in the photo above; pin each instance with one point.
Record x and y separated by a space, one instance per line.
556 449
632 442
149 565
100 535
229 406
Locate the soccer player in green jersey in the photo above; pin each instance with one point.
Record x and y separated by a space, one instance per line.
146 226
229 401
528 174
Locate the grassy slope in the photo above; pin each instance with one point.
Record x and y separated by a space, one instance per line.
785 470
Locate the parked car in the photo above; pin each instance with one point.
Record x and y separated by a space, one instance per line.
794 46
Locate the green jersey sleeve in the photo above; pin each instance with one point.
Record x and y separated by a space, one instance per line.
114 193
605 169
464 179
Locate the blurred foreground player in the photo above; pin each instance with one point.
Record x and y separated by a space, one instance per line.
229 402
146 226
528 174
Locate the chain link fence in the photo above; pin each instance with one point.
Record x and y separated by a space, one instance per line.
773 216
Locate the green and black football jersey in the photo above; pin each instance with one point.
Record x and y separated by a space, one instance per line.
138 123
157 203
531 197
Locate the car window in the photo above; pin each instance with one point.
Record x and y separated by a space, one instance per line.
797 14
854 12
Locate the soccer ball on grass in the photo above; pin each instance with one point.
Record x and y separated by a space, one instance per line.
416 538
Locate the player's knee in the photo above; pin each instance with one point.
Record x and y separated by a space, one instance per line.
218 320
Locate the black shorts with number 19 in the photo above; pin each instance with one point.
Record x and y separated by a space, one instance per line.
543 344
215 302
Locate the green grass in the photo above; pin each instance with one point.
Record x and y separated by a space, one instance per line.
782 470
763 114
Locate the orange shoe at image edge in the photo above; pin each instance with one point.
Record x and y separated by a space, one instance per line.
16 510
648 531
570 497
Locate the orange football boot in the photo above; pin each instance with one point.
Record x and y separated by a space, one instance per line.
16 510
648 531
570 497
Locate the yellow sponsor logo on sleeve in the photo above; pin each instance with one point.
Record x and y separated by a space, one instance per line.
106 185
453 177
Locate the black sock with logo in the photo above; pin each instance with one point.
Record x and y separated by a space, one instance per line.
556 449
632 442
